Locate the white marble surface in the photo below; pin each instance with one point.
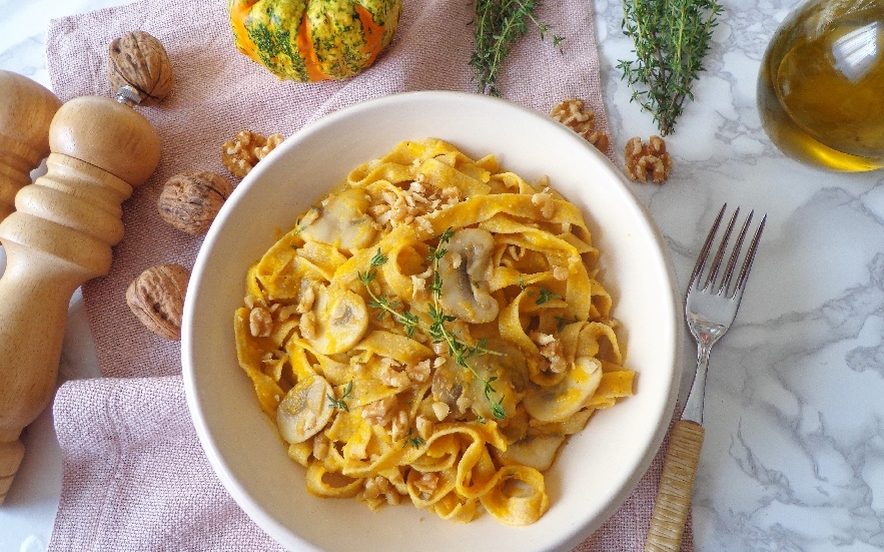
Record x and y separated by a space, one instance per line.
794 451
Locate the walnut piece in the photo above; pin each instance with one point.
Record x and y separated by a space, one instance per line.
139 60
191 200
649 160
156 297
241 154
572 114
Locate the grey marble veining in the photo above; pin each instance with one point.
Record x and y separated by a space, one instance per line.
794 452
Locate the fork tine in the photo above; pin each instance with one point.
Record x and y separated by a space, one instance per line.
707 246
750 257
735 255
719 255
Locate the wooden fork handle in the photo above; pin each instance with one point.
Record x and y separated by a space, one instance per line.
676 488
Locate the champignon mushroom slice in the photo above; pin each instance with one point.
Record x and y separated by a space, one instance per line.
343 222
535 451
304 410
465 270
503 364
448 383
562 400
341 320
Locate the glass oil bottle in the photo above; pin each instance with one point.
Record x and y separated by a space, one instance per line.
821 85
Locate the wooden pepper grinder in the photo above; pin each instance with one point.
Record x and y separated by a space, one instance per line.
59 237
26 109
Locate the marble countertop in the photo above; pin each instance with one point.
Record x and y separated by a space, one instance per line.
794 452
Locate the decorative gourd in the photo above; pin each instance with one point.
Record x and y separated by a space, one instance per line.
312 40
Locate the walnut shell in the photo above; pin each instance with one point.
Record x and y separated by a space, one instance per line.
191 200
156 297
139 60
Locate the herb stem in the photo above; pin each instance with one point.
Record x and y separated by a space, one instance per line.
438 331
498 25
671 38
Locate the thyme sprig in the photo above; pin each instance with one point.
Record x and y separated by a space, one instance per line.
547 296
459 350
671 38
341 404
415 441
440 333
498 25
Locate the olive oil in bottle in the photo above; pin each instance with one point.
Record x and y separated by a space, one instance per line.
821 85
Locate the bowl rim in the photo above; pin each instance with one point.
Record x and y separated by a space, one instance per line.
220 465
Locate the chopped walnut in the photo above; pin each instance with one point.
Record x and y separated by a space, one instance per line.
287 312
408 206
308 325
321 447
241 154
380 486
379 412
391 375
424 426
427 482
260 322
551 349
544 200
419 372
464 403
306 297
441 410
400 428
649 160
572 114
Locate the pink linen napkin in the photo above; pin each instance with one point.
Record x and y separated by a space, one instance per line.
135 476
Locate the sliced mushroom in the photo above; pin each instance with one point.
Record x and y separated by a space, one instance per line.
461 390
465 271
341 320
535 451
343 222
562 400
448 384
304 410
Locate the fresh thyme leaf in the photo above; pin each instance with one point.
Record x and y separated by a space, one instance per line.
378 259
671 38
498 25
546 296
437 330
416 441
341 404
561 322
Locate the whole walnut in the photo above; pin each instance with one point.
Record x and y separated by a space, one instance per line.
191 200
156 298
138 60
647 160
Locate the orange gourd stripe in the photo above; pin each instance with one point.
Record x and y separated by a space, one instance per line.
239 11
304 44
372 32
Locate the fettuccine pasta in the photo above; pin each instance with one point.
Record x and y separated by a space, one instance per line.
433 330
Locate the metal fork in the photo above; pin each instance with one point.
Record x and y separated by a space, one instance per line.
711 304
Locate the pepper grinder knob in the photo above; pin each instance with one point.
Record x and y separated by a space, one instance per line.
26 109
59 237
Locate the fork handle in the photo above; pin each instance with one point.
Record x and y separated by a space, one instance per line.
676 488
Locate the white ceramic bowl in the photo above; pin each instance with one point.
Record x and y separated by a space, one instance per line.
597 469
